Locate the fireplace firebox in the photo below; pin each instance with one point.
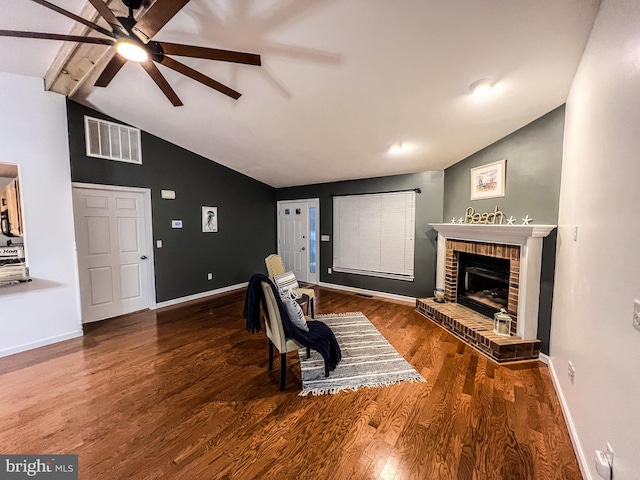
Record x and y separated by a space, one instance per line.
483 283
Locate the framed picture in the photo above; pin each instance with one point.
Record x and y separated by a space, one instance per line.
488 181
209 219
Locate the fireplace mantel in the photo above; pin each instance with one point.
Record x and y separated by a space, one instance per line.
527 237
506 234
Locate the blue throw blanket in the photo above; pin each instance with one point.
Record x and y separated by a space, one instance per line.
319 337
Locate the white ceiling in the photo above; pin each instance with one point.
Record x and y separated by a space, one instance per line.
340 79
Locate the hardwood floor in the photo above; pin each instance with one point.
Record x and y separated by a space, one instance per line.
184 393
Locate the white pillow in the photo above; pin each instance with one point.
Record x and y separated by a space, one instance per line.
287 285
295 314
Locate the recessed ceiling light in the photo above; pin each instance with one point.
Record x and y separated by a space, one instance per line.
395 148
131 51
482 86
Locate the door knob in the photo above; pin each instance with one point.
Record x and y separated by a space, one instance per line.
143 257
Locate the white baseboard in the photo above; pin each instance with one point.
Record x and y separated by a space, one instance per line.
40 343
197 296
375 293
573 434
544 358
78 333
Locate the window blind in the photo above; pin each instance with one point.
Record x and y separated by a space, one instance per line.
374 234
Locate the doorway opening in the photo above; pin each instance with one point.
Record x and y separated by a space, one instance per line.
298 227
115 250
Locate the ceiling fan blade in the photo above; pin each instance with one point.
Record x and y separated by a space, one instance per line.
157 16
191 73
157 77
56 36
106 13
75 17
113 67
210 53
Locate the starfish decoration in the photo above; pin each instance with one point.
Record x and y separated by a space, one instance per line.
526 220
453 220
510 220
460 221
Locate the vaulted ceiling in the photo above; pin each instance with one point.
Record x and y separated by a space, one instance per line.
340 80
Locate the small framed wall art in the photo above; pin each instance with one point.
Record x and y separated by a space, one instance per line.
209 219
488 181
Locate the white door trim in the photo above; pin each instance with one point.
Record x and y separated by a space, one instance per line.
310 202
148 233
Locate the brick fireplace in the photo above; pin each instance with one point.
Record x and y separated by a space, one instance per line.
521 245
492 250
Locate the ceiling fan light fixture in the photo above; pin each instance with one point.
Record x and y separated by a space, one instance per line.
481 87
132 39
132 51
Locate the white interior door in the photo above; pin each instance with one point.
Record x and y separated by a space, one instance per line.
113 260
294 220
297 243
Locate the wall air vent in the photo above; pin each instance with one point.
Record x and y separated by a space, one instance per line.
112 141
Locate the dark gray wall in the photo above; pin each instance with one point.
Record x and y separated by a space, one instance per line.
246 210
428 210
534 168
534 163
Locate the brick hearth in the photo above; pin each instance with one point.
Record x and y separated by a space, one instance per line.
522 246
477 330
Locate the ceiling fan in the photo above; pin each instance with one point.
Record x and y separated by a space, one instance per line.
132 40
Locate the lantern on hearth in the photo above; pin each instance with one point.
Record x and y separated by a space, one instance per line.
438 295
502 323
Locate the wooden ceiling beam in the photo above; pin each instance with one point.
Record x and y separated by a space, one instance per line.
75 63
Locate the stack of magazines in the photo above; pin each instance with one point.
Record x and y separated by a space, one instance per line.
12 264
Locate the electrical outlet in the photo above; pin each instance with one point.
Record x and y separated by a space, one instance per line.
575 233
209 276
329 270
571 371
636 314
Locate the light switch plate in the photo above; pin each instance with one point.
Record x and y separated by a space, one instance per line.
636 314
159 244
325 238
168 194
176 223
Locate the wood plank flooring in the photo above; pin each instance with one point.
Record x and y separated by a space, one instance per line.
184 393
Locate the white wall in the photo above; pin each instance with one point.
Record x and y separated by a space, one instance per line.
598 276
33 135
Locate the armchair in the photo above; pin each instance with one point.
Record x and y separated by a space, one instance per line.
276 335
275 266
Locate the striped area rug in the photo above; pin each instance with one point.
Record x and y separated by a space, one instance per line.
368 359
